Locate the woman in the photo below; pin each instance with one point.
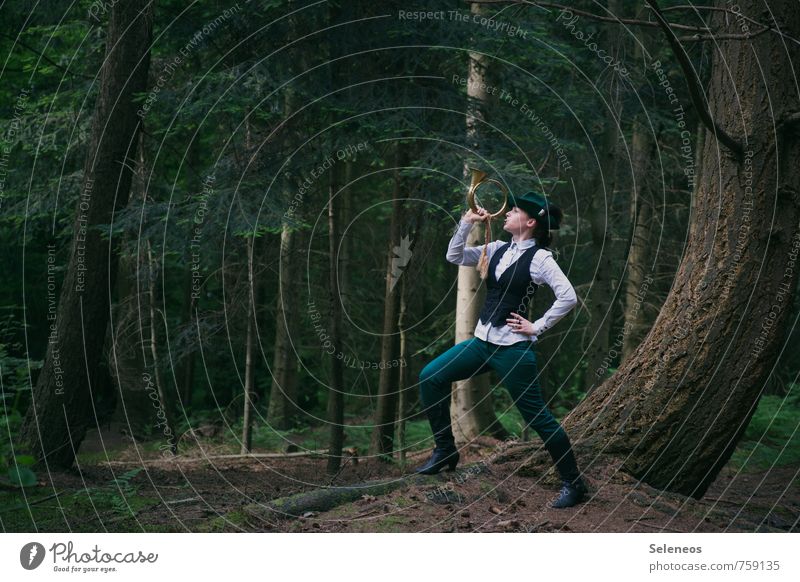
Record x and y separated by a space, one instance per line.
504 339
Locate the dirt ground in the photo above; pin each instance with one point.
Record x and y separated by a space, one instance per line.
219 494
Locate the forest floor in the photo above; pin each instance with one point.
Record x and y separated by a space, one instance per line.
228 494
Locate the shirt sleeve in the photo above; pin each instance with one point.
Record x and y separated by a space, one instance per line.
459 253
547 271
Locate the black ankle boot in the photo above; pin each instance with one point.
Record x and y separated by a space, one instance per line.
572 493
445 454
573 489
440 459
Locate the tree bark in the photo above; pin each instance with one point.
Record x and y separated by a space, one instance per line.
61 407
676 409
640 266
600 300
128 358
641 271
249 364
283 392
383 433
163 413
472 409
402 375
336 388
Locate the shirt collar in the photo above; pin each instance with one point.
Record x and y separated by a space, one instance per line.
526 244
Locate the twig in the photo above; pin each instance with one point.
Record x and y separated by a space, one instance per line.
661 528
351 452
179 501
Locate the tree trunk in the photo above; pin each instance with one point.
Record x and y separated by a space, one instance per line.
472 407
402 375
189 315
61 407
397 257
676 409
247 435
641 274
603 191
283 393
336 389
163 414
128 359
189 319
641 270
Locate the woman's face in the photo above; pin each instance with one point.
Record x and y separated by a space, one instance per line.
518 221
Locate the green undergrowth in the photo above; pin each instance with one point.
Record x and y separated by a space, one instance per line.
772 438
112 506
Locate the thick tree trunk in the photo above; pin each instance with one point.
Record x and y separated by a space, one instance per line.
472 407
128 359
676 409
61 407
641 273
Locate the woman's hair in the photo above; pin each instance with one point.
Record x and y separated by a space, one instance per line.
541 232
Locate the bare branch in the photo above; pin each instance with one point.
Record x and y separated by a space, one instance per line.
694 85
707 34
718 37
45 57
577 12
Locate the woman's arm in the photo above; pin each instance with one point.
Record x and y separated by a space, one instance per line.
458 252
549 272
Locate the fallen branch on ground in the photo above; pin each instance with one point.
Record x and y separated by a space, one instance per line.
319 500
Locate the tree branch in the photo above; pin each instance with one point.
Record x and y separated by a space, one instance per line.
45 58
694 85
591 15
697 37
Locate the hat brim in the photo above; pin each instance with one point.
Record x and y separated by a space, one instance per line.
529 207
533 211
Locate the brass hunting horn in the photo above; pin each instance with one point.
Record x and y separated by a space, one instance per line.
478 179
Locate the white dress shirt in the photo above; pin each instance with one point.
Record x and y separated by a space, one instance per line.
544 269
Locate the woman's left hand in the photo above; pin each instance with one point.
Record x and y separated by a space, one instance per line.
519 324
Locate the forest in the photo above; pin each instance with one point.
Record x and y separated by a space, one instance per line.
225 227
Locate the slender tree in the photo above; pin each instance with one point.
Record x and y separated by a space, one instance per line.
383 433
336 387
603 191
472 408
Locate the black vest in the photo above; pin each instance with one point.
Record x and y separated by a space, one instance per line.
514 290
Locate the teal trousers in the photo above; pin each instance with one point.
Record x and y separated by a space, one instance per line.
518 371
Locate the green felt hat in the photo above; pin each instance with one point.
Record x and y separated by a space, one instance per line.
537 206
